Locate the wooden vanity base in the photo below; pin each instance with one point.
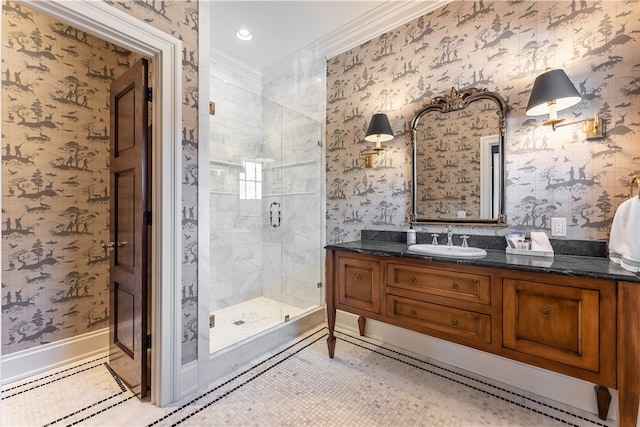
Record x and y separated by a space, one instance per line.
604 401
583 327
361 322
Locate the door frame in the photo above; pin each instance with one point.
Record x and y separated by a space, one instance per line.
110 24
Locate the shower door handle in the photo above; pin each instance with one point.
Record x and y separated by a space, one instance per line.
275 206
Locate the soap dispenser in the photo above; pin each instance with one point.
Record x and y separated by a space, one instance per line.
411 235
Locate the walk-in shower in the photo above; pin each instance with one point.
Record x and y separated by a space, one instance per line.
266 213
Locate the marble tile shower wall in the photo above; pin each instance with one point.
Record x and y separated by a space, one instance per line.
236 225
299 84
250 257
501 46
291 251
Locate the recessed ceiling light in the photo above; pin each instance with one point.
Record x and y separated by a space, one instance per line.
244 34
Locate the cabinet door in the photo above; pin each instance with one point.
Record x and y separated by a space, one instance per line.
359 283
559 323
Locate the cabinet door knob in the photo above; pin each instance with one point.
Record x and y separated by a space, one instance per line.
455 286
413 313
358 277
455 323
413 279
546 311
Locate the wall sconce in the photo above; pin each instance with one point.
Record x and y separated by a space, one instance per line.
379 131
552 92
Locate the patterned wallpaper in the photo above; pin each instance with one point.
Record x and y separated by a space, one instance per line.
55 155
501 46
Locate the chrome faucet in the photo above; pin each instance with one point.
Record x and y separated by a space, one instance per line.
449 232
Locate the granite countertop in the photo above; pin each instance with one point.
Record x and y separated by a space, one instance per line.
569 265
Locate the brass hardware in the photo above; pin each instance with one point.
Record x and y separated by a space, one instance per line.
413 279
368 160
111 246
413 313
212 108
546 311
593 128
455 286
212 320
455 323
358 277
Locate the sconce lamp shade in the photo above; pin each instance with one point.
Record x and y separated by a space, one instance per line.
379 129
550 86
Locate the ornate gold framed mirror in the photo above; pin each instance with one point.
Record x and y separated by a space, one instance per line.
458 158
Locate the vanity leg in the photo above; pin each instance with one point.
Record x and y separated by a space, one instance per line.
627 353
604 401
361 322
331 341
331 306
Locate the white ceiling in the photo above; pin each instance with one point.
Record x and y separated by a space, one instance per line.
281 28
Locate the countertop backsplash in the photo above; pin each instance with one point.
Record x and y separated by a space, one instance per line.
590 248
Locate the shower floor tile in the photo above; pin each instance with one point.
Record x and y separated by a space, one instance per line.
241 321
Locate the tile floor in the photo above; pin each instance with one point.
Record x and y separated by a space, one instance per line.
366 384
238 322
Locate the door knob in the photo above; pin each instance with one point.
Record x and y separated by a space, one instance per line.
111 246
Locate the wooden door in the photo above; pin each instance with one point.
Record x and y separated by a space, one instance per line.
129 218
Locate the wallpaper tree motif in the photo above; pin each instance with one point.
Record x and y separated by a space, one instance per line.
500 46
55 170
55 178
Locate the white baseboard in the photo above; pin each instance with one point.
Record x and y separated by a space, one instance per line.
33 361
560 388
187 381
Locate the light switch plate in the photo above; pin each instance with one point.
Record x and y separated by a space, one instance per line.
558 227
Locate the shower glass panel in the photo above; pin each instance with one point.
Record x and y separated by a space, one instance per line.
266 215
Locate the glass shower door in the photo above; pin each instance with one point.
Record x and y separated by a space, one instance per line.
266 216
302 213
292 240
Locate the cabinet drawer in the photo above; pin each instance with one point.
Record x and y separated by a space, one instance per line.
554 322
451 284
434 317
359 283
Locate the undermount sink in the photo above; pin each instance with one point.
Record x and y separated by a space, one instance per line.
448 251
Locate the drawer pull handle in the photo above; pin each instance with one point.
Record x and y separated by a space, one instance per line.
546 311
413 279
455 286
413 313
358 277
455 323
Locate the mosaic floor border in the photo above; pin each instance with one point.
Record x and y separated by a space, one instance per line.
240 392
544 408
97 367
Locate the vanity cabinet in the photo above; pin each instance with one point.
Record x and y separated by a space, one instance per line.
572 326
583 327
359 284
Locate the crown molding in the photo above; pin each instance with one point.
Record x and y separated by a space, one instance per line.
231 63
377 21
389 15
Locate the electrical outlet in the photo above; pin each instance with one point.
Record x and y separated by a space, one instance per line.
558 227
